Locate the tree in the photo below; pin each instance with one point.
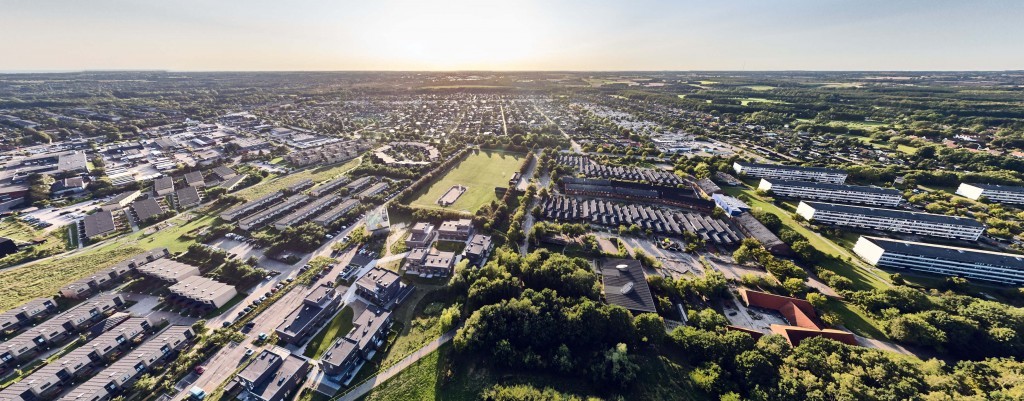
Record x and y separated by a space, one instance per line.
650 328
616 368
705 319
817 300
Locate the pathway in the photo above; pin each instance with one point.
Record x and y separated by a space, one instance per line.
369 384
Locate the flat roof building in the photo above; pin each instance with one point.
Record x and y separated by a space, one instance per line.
168 270
479 249
625 285
272 377
992 193
74 162
1005 268
430 262
380 286
731 206
421 235
455 230
892 220
824 191
795 173
199 292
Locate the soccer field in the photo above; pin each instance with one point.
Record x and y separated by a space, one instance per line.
479 173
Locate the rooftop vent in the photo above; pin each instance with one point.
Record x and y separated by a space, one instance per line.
626 288
622 267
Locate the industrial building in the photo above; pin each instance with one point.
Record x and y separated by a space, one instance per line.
892 220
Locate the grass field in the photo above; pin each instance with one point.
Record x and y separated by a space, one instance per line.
748 100
339 326
861 277
280 182
53 243
175 234
45 278
480 173
760 87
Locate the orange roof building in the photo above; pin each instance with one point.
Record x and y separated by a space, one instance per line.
799 313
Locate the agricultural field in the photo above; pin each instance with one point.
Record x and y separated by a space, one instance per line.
278 183
480 173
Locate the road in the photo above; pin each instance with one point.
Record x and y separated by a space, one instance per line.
575 146
369 384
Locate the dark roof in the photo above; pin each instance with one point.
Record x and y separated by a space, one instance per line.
995 187
98 223
832 187
187 196
799 168
895 214
146 209
625 285
951 253
163 183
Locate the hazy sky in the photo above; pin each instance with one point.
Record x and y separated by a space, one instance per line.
511 35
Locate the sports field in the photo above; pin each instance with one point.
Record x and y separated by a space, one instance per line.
479 173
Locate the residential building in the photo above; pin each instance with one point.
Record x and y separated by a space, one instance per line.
479 249
824 191
188 197
272 377
625 285
379 286
57 329
430 262
319 305
344 358
163 186
195 178
113 380
306 212
892 220
147 209
106 278
992 193
795 173
373 190
99 224
274 211
975 264
122 200
421 235
198 292
336 213
26 314
455 230
251 207
168 270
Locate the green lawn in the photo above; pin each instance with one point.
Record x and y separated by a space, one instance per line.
480 173
747 100
45 278
760 87
857 320
53 243
316 174
854 270
339 326
175 234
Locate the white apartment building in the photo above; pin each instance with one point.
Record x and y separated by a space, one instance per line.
935 225
940 259
792 173
993 193
832 192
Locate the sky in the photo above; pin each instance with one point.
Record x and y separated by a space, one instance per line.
599 35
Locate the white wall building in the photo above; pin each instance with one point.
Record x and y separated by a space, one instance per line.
832 192
993 193
793 173
892 220
939 259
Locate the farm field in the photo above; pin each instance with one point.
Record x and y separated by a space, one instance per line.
480 173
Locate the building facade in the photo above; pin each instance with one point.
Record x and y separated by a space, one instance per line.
935 225
977 264
795 173
993 193
832 192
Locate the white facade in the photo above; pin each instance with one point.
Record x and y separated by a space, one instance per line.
993 193
792 173
937 259
831 192
892 220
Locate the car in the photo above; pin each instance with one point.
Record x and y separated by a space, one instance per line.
200 369
290 279
268 294
248 327
329 236
262 337
241 313
226 323
248 351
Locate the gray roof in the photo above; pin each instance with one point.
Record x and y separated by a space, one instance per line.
832 187
365 326
620 274
163 183
99 223
951 253
995 187
797 168
895 214
147 208
187 196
